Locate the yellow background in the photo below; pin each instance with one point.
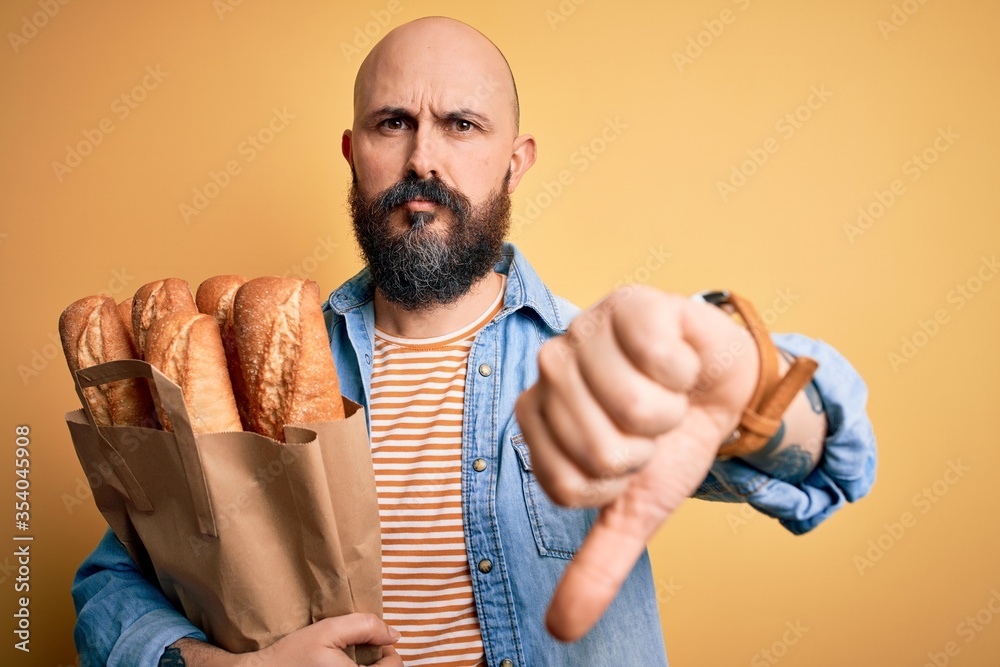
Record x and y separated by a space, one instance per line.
729 580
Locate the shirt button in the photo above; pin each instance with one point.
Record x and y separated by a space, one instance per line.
479 465
485 566
368 359
485 370
506 662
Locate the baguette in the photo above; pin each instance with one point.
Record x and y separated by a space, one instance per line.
125 310
215 297
155 300
285 354
92 332
187 348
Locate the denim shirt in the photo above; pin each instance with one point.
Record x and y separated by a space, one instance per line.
508 518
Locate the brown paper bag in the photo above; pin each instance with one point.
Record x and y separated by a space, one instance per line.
250 538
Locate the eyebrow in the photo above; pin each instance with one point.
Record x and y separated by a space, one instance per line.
463 113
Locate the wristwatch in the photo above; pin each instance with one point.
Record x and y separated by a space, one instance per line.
762 417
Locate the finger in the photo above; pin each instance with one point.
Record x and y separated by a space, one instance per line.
619 536
599 568
357 628
636 402
390 658
580 427
655 342
723 346
560 478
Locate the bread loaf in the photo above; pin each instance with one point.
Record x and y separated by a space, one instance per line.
187 348
215 297
125 310
93 332
155 300
285 354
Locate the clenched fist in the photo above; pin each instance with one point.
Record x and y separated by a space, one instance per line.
628 413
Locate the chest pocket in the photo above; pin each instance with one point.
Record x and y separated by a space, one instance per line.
558 531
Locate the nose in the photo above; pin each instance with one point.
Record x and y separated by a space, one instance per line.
423 158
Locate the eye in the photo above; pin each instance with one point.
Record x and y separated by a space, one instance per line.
463 125
393 124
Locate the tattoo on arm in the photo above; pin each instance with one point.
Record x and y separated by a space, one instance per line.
792 464
775 440
172 658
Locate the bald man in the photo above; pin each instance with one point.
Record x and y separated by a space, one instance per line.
524 451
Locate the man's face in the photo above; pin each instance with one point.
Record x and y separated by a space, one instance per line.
434 153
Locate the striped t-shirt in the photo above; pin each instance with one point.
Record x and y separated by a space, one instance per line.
417 396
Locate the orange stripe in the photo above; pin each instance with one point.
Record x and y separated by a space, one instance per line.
441 423
389 599
408 576
415 372
462 653
419 383
396 540
415 529
416 460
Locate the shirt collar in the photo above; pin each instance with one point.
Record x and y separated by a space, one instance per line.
524 289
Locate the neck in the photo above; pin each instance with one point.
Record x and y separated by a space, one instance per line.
437 320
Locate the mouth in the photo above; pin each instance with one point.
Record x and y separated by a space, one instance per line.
419 204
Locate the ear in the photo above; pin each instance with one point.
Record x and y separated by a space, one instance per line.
521 159
345 147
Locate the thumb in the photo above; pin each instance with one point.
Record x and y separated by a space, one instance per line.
619 536
599 568
358 628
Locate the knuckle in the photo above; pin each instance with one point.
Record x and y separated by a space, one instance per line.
550 359
638 415
605 460
558 488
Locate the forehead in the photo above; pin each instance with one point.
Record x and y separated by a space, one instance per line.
441 76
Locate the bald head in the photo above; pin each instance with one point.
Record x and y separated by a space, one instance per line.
437 54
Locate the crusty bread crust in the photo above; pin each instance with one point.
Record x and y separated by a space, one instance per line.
215 297
155 300
92 332
285 354
125 310
187 348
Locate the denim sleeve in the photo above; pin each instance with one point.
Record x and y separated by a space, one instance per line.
846 471
121 618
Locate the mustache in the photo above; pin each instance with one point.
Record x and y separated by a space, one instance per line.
431 189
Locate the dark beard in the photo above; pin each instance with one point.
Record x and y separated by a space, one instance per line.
426 265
